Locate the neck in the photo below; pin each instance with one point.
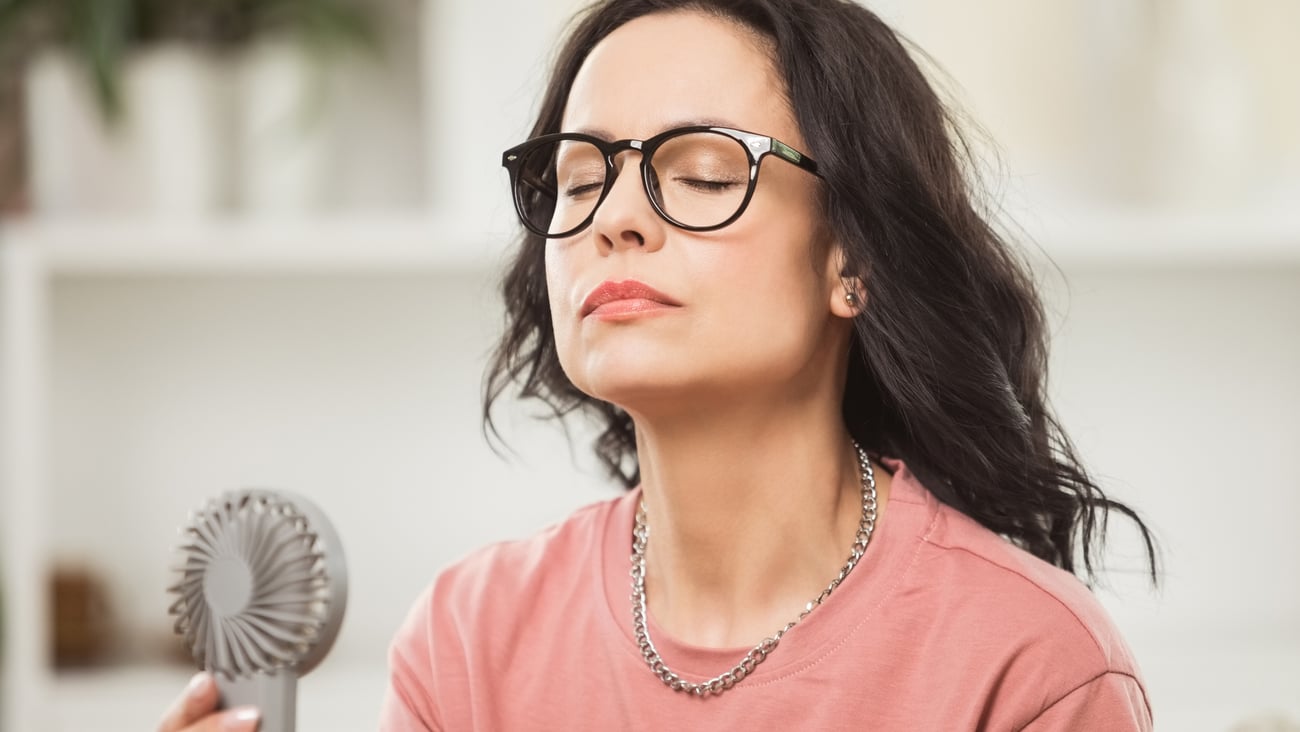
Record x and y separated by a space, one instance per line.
750 516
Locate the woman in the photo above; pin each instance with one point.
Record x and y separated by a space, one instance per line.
850 507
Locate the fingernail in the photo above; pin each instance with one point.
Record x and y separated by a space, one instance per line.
238 719
196 682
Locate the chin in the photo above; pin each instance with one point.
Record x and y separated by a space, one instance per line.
662 391
613 379
629 387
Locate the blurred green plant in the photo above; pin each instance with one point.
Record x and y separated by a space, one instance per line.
100 33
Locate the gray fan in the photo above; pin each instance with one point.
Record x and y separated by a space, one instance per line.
261 597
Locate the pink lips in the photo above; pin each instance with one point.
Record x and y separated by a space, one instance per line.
626 299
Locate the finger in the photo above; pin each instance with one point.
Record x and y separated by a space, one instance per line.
198 699
239 719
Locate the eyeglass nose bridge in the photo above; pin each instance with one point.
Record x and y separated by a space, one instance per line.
611 151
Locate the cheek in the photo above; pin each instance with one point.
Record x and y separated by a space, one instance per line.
559 286
556 280
769 261
764 297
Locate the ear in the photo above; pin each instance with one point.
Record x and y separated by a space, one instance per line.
848 293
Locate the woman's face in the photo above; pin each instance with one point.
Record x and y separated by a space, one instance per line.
754 308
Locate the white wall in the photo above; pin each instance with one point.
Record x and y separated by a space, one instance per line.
1182 388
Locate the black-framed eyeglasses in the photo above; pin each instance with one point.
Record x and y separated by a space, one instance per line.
698 178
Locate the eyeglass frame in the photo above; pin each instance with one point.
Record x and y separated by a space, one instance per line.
756 148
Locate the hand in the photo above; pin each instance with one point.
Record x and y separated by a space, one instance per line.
193 711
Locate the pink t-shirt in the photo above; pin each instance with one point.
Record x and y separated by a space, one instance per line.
943 626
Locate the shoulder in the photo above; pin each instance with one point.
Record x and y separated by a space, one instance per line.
478 612
485 588
994 625
1038 628
561 553
1029 595
970 573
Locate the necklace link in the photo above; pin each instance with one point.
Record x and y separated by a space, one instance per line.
759 653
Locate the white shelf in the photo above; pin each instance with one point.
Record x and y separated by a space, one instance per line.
1171 238
1070 237
352 245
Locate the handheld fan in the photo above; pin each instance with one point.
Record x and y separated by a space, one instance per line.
261 597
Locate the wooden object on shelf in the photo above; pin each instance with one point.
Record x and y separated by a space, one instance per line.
81 622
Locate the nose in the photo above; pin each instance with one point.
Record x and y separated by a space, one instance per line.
625 220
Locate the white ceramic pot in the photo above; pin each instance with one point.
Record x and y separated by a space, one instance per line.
76 163
178 111
167 155
283 131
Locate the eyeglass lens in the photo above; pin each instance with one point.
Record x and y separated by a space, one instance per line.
698 179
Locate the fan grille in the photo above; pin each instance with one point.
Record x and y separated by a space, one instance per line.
254 591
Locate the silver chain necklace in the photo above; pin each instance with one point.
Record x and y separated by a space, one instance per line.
724 681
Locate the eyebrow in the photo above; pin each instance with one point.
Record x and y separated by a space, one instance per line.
698 122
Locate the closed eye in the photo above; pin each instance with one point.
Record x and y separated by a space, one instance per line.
707 186
582 190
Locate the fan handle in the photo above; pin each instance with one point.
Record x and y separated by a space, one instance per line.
274 696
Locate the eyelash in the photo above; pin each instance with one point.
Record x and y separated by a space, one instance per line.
579 190
709 186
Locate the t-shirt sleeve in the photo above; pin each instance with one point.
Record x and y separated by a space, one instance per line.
409 700
1113 701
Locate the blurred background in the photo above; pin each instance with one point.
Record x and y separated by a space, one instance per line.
255 243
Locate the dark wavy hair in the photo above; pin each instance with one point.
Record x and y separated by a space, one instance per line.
948 366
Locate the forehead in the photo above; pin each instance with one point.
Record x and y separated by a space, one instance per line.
671 69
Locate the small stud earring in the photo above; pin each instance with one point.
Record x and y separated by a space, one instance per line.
851 299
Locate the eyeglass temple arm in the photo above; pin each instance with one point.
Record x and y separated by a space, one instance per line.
792 155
